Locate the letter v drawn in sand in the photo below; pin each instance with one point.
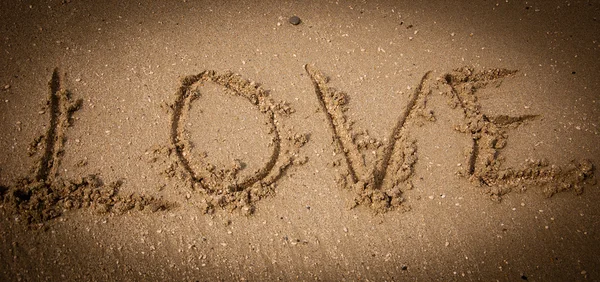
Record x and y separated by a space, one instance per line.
378 183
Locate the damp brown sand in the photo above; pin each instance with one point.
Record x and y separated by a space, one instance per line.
426 141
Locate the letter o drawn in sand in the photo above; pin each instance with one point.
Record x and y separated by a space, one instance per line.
226 181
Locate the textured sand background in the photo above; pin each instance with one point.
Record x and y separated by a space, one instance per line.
447 214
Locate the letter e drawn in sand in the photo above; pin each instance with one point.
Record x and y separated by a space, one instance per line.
489 135
225 187
378 184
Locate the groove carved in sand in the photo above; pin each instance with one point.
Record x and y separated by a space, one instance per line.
60 108
224 187
378 184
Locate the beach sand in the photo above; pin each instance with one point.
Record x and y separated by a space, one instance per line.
362 140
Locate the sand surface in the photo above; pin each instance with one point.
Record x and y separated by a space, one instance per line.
362 140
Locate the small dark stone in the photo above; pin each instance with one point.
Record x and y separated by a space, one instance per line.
295 20
523 277
404 267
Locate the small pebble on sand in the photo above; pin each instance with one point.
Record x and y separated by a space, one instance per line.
295 20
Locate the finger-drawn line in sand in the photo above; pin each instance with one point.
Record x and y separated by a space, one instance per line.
44 195
490 137
377 183
61 108
224 187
